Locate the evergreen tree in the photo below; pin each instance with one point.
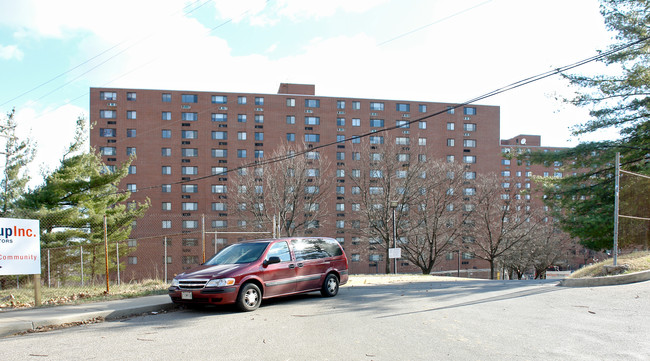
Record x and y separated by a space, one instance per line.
583 200
17 155
73 201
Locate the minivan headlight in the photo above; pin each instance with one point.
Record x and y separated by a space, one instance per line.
222 282
175 282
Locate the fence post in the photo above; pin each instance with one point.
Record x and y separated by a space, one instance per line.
117 251
203 235
165 258
82 265
37 290
106 252
49 277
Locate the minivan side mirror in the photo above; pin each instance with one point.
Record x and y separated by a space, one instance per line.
271 260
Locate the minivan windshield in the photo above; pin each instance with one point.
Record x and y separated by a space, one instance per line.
238 253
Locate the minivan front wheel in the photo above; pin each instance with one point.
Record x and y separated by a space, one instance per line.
331 286
249 297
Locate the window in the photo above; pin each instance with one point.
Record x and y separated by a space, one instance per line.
422 125
401 157
340 224
356 155
241 100
340 138
470 175
219 99
241 118
311 189
340 207
219 153
402 107
189 134
166 133
166 170
259 118
130 133
291 119
190 206
189 98
107 96
402 141
189 170
166 206
218 117
107 132
422 141
469 159
505 161
505 173
469 191
376 123
219 135
450 142
312 138
340 190
376 173
469 127
356 122
422 158
258 154
340 173
130 97
190 152
219 207
312 120
356 105
241 153
166 115
340 104
132 169
131 187
376 106
219 224
340 122
219 188
107 151
259 100
166 188
451 126
469 143
130 151
340 156
312 103
166 97
422 108
131 114
108 114
291 102
469 110
450 158
291 137
190 224
219 170
166 224
241 135
312 155
376 139
189 188
450 110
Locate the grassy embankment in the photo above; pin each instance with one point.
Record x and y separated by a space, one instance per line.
637 262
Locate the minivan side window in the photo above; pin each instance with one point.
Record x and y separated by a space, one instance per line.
280 249
306 249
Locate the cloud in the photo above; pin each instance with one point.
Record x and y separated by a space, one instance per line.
10 52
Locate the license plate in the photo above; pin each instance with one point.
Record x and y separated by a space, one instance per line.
186 295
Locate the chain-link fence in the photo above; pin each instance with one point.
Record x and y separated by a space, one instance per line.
158 247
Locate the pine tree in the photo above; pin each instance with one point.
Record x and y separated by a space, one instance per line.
583 201
17 155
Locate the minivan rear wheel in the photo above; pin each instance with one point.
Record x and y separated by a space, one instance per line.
330 286
249 297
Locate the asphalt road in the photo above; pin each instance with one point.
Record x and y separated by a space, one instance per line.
461 320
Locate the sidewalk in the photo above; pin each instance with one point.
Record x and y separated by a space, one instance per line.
15 321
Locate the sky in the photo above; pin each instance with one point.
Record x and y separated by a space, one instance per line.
52 52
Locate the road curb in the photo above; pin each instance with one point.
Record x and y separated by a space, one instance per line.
606 281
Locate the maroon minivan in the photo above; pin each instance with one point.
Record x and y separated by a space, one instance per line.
247 272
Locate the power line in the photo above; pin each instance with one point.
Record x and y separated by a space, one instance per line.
497 91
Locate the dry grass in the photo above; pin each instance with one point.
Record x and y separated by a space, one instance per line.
52 296
637 261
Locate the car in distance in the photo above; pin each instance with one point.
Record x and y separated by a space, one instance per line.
246 273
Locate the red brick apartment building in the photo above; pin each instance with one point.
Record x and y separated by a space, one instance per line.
179 136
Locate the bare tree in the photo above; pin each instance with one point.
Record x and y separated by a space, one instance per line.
386 177
291 190
502 218
437 213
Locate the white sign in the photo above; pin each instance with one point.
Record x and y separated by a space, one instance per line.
20 247
394 253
